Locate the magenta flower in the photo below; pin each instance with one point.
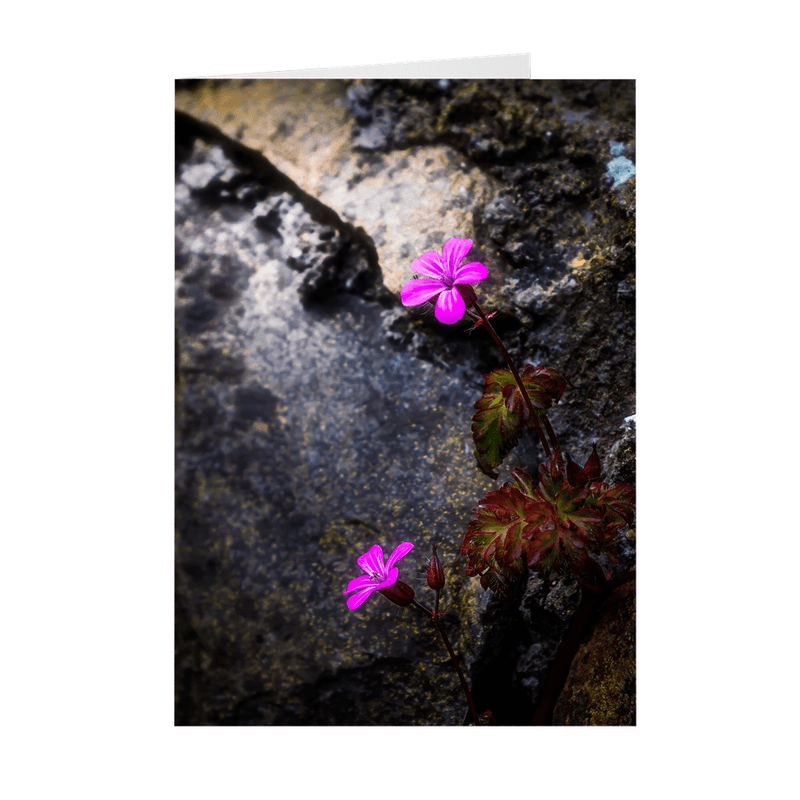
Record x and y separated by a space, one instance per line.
379 575
444 273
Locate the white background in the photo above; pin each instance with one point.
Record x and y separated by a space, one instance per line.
88 442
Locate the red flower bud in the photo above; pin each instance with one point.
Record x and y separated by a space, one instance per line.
578 476
467 292
592 467
575 475
400 593
435 572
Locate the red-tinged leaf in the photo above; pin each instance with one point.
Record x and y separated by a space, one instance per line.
502 412
551 479
495 429
523 481
590 471
588 572
616 507
542 551
575 474
552 525
561 525
493 543
499 580
559 542
617 503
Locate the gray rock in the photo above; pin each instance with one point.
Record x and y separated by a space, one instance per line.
304 438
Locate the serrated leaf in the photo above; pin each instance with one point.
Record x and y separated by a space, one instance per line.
550 525
502 412
561 524
616 506
493 542
524 482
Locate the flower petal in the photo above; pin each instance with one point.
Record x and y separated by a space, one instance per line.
372 561
429 264
391 579
450 307
454 252
398 553
359 583
419 290
357 599
471 273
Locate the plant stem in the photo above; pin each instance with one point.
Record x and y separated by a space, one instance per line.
512 367
435 619
552 434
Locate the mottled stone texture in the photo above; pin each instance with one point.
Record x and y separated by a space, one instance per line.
315 415
601 686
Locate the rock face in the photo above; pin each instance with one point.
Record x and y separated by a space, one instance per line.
316 416
601 686
404 199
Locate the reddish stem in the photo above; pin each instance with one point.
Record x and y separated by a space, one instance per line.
437 621
552 434
512 367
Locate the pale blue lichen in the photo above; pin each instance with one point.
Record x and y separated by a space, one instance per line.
620 169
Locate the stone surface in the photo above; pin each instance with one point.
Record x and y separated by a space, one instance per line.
315 415
303 438
409 201
601 685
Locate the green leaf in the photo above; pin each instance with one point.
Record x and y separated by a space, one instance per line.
502 412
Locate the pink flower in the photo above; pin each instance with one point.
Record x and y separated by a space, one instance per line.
379 575
444 275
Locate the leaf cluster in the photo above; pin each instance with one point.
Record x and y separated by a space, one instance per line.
502 413
553 524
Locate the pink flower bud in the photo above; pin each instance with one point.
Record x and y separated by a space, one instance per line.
400 593
435 572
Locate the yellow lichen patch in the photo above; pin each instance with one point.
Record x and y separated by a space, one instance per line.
580 263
